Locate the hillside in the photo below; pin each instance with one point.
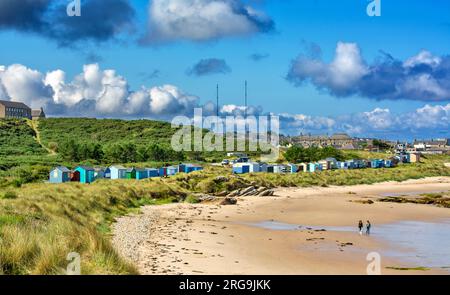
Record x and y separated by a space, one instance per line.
105 131
17 139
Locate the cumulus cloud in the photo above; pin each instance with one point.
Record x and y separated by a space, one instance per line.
236 110
208 67
99 21
423 77
203 20
19 83
94 92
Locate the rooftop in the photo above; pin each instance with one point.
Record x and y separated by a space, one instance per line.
13 104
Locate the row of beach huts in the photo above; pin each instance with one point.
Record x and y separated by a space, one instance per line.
243 166
86 174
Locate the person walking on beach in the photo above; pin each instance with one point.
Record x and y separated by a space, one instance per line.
360 226
368 226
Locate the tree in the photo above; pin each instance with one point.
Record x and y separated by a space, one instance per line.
381 145
299 154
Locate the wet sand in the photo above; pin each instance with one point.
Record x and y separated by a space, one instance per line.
213 239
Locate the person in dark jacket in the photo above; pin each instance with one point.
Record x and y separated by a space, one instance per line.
368 227
360 226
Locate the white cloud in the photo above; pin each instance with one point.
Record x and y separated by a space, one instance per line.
423 58
94 92
25 85
430 117
423 77
235 110
378 118
340 75
170 99
200 20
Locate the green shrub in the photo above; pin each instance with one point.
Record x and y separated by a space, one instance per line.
191 199
10 195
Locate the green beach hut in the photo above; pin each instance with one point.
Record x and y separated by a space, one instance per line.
130 174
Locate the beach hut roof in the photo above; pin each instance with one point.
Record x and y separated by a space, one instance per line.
117 167
62 169
131 169
87 168
140 170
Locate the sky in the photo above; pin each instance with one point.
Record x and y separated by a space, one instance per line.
321 66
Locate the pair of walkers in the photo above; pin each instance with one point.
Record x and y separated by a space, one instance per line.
361 227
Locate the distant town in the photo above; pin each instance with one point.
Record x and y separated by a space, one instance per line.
342 141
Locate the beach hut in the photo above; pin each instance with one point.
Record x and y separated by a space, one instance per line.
263 167
87 174
332 163
162 171
325 164
117 172
360 164
279 169
351 164
99 173
388 163
241 168
172 170
314 167
74 176
182 168
188 168
414 158
292 168
377 163
141 174
130 173
303 167
270 168
254 167
107 173
152 172
59 175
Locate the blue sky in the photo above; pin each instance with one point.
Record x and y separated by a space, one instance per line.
281 33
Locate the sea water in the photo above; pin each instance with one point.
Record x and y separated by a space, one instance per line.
424 244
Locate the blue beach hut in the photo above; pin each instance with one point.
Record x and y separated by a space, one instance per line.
141 174
87 174
59 175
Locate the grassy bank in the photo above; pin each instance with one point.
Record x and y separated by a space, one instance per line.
41 223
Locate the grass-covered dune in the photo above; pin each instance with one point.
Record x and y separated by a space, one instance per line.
105 131
17 138
41 223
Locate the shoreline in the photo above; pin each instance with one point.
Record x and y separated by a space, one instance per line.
213 239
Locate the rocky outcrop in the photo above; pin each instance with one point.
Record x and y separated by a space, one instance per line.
252 191
228 201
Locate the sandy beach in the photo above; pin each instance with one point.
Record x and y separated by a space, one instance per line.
214 239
